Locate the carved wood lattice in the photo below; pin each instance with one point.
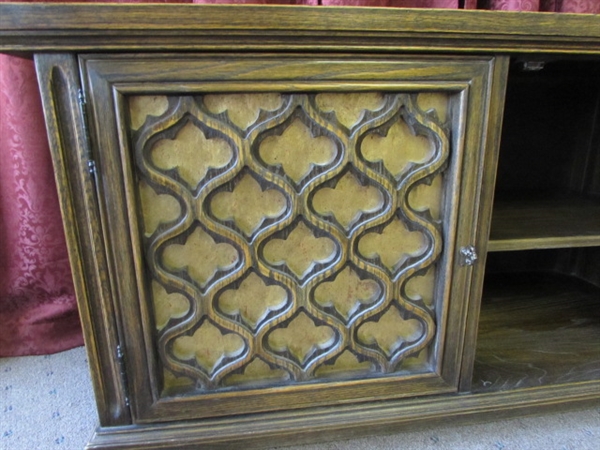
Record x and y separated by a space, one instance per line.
290 238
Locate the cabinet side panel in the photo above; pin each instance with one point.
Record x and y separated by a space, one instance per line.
59 85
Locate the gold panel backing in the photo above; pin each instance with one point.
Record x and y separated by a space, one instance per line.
291 237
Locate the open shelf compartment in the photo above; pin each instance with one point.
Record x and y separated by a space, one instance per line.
547 192
534 223
537 328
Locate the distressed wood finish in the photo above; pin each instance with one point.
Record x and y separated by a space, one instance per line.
251 179
344 421
545 223
537 329
59 81
150 27
327 165
309 322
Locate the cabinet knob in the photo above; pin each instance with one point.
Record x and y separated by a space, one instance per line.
468 255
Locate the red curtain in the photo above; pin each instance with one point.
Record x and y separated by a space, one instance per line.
570 6
38 312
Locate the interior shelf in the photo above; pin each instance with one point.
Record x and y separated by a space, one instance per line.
537 329
534 223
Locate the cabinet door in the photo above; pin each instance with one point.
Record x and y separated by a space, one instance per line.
282 231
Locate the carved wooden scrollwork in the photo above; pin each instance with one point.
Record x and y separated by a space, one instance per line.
290 237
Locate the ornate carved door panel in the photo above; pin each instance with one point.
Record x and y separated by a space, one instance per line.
286 232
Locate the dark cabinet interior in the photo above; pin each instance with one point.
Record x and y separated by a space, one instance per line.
547 192
540 307
539 322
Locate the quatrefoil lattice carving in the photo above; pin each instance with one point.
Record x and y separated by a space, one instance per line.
301 338
192 154
300 251
200 256
348 201
393 245
297 151
248 205
291 237
208 346
253 300
347 292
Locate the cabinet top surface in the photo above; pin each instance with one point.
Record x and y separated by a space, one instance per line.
39 27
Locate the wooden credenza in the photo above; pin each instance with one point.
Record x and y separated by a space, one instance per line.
309 223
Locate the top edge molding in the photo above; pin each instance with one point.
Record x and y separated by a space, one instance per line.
33 27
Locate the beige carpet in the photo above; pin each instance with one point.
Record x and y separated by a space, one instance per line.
46 402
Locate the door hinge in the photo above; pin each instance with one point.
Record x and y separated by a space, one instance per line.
92 167
91 164
123 372
468 255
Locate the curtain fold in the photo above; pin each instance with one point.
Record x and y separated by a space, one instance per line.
565 6
394 3
37 303
38 312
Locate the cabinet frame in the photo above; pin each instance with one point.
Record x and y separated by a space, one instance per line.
109 79
44 29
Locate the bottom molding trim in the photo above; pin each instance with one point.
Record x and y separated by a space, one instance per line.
344 421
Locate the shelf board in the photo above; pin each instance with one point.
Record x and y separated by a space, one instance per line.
527 224
536 329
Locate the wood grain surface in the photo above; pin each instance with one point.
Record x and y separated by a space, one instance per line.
524 224
537 329
85 27
267 245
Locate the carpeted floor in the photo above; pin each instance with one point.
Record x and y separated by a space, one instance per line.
46 402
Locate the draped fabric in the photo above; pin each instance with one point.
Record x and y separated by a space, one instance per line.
37 304
38 312
568 6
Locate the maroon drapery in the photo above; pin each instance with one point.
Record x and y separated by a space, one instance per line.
38 313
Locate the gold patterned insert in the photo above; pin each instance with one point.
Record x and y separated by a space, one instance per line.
145 106
168 306
346 365
300 251
191 153
248 205
348 200
347 292
252 300
297 151
399 149
349 109
301 338
395 244
208 346
200 256
157 208
390 332
242 110
255 373
291 237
